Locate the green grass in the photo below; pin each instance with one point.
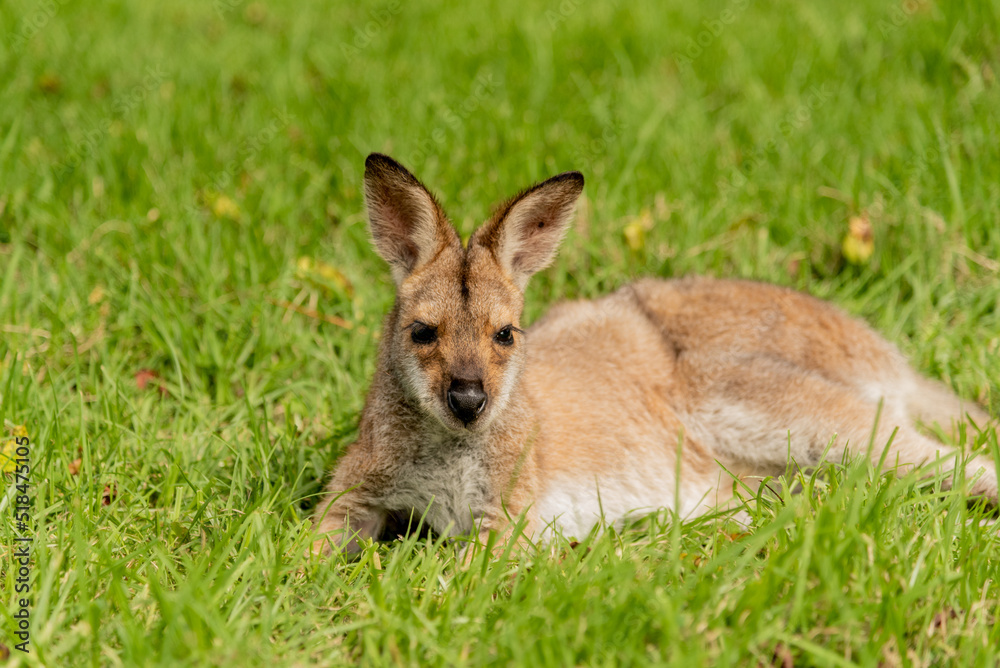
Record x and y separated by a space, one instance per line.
164 167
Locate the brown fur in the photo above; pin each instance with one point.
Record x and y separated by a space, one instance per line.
584 414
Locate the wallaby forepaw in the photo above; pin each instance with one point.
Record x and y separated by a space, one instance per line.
321 547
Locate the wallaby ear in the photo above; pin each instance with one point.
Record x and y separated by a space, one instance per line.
525 233
407 224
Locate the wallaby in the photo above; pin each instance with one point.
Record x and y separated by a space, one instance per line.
472 422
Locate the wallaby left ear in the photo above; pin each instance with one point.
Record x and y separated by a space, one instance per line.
525 233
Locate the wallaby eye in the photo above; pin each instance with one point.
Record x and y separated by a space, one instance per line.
423 334
505 336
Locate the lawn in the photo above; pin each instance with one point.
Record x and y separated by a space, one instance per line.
190 309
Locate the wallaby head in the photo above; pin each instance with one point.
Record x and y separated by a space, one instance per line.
454 338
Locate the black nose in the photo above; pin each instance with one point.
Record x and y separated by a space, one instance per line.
466 399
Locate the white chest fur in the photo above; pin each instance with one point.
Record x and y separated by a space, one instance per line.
574 504
444 482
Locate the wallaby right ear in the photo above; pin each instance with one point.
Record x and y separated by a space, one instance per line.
525 233
407 224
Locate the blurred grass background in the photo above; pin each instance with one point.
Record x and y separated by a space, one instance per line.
189 308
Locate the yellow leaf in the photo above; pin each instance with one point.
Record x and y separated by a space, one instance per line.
8 449
333 275
635 231
635 236
7 454
96 295
319 272
859 244
224 207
